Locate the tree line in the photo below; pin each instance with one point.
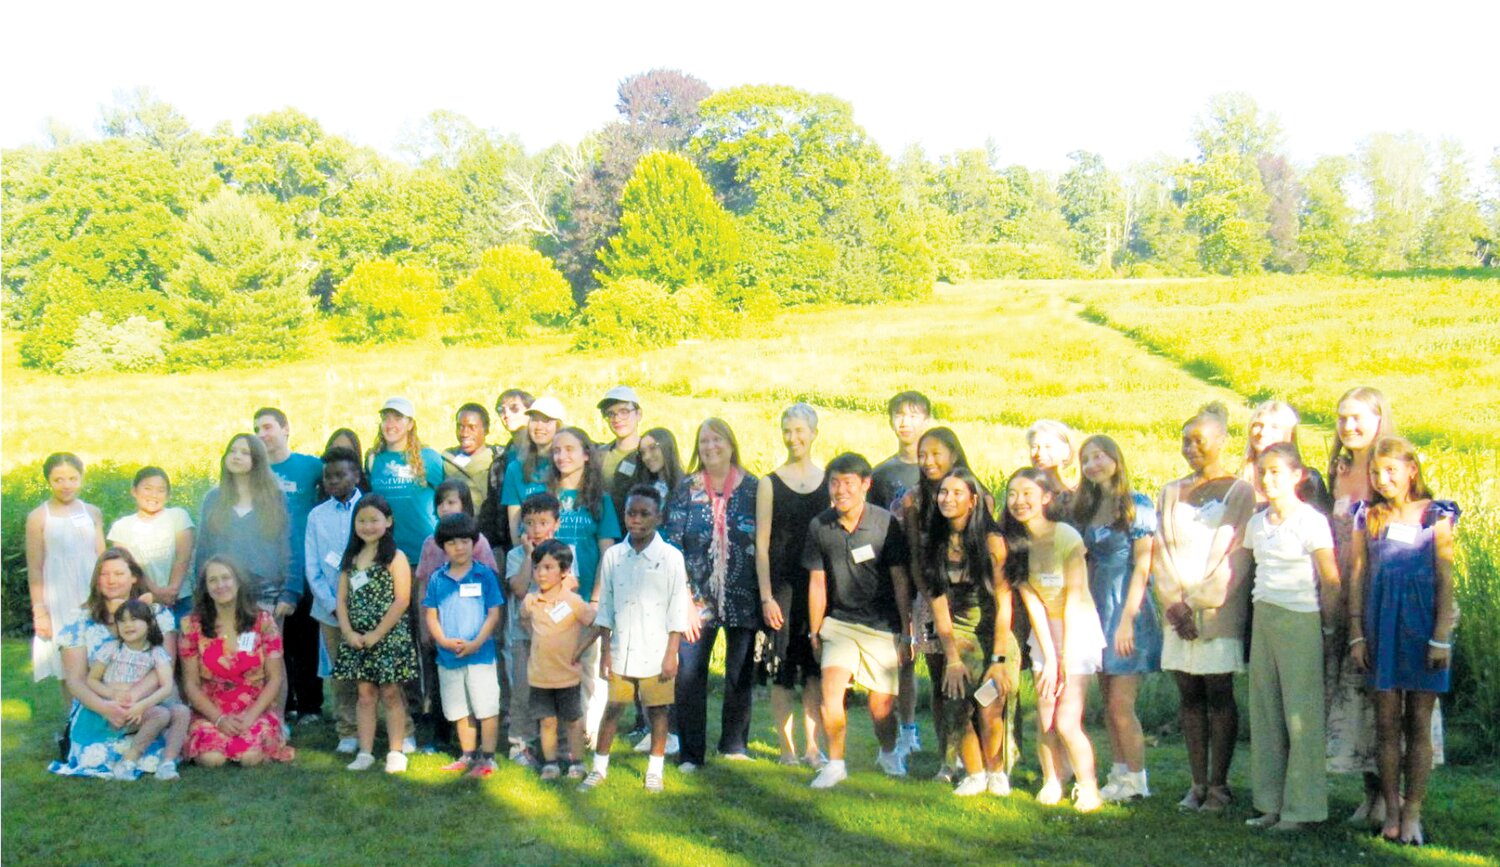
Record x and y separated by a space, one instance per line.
695 211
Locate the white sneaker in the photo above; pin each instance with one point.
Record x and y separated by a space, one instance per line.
347 745
167 771
644 744
125 769
395 763
408 744
1050 793
1126 787
654 782
362 762
908 741
893 763
688 768
830 776
593 781
999 783
973 784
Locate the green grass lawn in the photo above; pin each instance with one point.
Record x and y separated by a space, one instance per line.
313 811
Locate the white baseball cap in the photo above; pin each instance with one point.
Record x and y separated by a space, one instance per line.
548 407
619 394
401 405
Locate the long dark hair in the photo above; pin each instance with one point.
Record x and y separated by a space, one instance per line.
976 553
1090 495
1017 542
454 486
924 500
591 487
96 605
385 552
245 609
671 471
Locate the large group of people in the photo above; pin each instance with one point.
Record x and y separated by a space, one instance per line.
539 589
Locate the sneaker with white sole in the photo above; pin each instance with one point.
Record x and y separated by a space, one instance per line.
830 776
167 771
654 782
593 781
125 769
999 783
362 762
408 744
395 763
973 784
892 763
1050 793
347 745
674 745
688 768
551 771
1126 787
308 719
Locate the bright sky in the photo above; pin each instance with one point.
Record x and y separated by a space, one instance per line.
1040 79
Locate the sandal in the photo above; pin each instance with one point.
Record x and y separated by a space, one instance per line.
1193 800
1217 800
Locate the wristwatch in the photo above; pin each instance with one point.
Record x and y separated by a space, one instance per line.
997 659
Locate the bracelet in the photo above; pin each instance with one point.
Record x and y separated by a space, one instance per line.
1355 640
955 665
219 720
1440 645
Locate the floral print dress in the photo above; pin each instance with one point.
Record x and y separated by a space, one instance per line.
233 673
393 659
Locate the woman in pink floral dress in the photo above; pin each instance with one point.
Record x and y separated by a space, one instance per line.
231 673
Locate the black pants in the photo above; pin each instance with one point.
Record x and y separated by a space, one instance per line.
692 691
300 647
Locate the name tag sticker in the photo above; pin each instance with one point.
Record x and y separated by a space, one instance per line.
559 611
470 589
246 643
863 554
1406 534
332 559
627 468
287 486
1052 580
359 579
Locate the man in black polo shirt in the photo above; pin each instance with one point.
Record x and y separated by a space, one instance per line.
857 601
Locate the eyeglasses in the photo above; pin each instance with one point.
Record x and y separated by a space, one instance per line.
619 412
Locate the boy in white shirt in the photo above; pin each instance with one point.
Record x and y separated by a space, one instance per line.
645 608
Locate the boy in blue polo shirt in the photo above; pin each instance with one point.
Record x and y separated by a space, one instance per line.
462 607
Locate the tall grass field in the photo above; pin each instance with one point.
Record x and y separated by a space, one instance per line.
1131 359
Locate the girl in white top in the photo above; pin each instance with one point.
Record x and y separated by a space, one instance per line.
64 535
159 537
1296 577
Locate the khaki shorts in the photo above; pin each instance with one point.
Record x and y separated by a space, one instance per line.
872 655
653 691
469 689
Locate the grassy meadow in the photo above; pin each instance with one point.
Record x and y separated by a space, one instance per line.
1128 358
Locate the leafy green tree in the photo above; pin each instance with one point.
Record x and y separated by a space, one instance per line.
658 112
1226 199
1284 200
513 290
485 169
89 227
383 300
983 202
819 207
1394 170
139 116
408 216
672 230
1454 230
635 313
1326 221
1094 208
1156 233
286 156
239 292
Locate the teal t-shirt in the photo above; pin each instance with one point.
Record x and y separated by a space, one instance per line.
411 502
579 529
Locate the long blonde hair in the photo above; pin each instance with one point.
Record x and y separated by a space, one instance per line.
412 452
1382 509
1340 457
1247 470
1068 470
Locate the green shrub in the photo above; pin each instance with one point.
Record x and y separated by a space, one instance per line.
383 301
1021 261
513 289
135 344
634 313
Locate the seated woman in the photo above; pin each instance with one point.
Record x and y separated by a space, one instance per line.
97 726
231 672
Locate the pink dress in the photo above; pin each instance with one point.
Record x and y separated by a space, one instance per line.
233 678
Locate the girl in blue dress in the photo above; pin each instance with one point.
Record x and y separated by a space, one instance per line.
1401 619
1119 528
